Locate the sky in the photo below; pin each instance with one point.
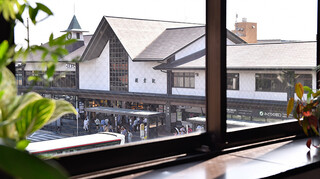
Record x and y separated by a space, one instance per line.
276 19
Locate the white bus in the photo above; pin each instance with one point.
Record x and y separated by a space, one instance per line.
71 144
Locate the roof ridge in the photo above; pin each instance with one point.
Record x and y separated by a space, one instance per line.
155 20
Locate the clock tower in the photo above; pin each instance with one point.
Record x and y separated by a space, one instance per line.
75 32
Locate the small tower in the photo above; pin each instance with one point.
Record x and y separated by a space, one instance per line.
74 29
75 32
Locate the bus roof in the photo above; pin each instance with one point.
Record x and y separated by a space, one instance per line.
78 141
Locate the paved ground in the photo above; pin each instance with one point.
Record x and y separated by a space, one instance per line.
68 128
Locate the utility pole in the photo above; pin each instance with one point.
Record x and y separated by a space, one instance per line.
28 38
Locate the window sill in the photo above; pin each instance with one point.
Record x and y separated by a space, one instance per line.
283 159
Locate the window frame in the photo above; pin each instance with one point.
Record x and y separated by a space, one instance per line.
216 138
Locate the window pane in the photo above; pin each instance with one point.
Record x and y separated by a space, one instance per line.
267 54
139 70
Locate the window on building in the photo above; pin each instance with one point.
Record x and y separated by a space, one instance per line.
78 35
183 80
271 82
118 65
304 79
232 81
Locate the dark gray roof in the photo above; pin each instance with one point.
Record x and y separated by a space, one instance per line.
74 25
169 42
234 38
195 61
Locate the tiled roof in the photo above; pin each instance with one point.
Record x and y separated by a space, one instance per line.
36 57
137 34
298 55
169 42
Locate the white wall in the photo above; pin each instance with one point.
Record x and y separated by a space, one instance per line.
247 87
198 45
200 86
143 70
94 74
229 42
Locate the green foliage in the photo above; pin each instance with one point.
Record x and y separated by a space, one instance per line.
307 112
20 164
21 115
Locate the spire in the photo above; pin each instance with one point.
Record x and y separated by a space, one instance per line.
74 25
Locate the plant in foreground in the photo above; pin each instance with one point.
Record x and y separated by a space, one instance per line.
306 111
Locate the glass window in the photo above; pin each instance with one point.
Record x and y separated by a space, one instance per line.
183 80
233 81
271 82
270 53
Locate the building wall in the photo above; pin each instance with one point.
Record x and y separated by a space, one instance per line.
94 74
144 70
229 42
198 45
247 87
200 85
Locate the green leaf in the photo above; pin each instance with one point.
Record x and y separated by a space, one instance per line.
307 88
21 145
62 108
305 126
44 8
9 87
290 106
34 116
51 70
32 14
20 164
18 105
4 46
316 94
299 90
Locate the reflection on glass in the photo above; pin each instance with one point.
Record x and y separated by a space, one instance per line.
137 76
269 54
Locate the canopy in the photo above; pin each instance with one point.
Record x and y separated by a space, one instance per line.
121 111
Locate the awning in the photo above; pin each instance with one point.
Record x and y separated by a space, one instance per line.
121 111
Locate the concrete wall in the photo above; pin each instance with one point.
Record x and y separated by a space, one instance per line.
198 45
144 70
94 74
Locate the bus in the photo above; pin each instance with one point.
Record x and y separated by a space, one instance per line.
72 144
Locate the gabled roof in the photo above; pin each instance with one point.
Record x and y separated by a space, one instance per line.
169 42
195 61
234 38
298 55
36 57
74 25
279 56
134 34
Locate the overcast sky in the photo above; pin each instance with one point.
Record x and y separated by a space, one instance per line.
277 19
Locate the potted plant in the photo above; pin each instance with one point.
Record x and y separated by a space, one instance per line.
21 115
306 111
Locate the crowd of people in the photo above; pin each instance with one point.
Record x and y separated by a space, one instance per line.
124 125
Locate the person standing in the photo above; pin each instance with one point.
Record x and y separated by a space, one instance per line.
130 136
86 124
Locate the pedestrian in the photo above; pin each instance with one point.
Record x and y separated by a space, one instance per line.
123 131
130 136
97 121
86 124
